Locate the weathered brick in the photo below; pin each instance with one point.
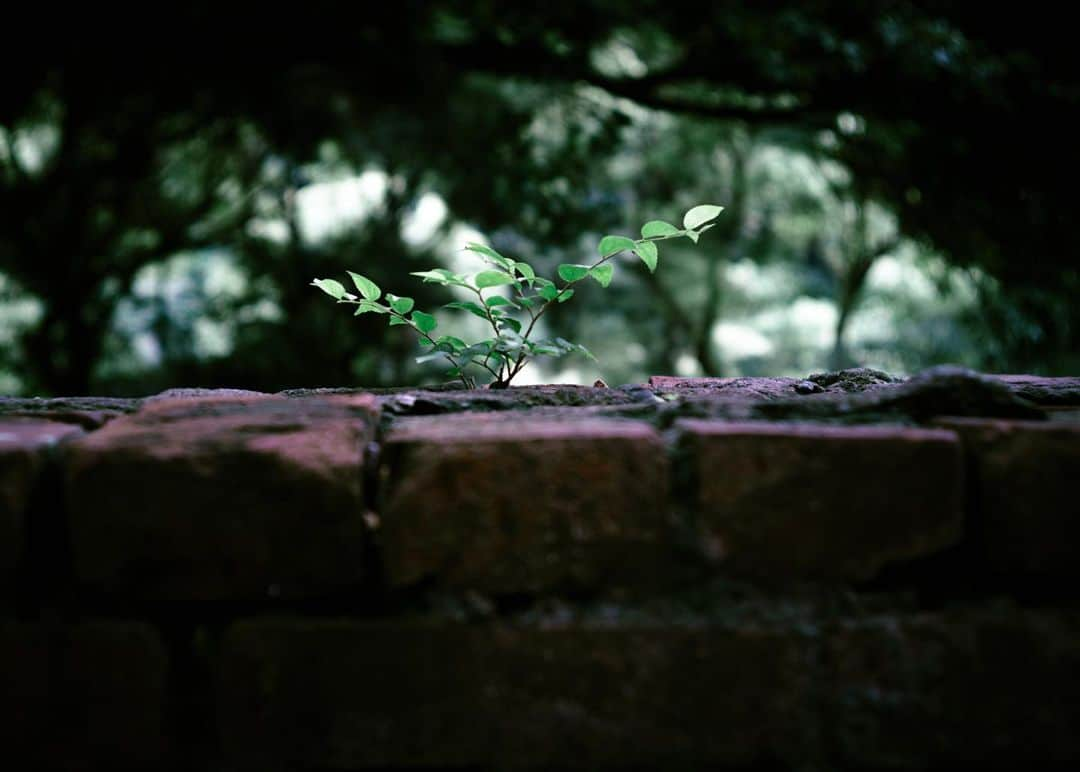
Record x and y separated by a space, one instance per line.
827 502
347 695
23 445
744 388
222 498
506 503
1026 514
959 689
1042 390
86 412
85 696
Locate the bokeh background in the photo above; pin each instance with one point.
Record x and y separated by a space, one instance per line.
899 182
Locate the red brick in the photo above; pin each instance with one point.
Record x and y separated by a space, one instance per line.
825 502
208 499
85 696
342 695
506 503
1027 506
1042 390
24 443
969 689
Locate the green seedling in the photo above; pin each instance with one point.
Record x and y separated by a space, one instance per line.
511 316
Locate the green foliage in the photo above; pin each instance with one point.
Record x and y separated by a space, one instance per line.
504 355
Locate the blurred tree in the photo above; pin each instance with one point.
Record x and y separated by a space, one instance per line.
122 144
860 251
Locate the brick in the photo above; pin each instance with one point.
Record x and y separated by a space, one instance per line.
411 402
85 696
511 503
1042 390
344 694
86 412
821 502
1026 516
1063 414
739 388
24 444
969 689
222 498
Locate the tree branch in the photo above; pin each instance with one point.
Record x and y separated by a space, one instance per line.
536 63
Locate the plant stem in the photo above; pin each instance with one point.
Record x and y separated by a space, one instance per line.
521 360
495 328
454 362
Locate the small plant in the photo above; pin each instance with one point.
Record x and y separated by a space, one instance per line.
512 319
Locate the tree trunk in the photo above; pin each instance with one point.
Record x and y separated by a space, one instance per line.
64 348
861 259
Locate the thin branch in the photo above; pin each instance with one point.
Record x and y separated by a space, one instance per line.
648 96
536 63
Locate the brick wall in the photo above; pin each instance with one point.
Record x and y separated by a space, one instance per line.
842 572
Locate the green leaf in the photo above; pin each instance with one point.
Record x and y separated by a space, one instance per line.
509 341
364 306
482 249
512 324
552 347
566 295
430 357
545 348
603 274
693 236
569 272
440 276
396 320
649 254
483 348
525 270
492 279
658 228
369 289
468 305
547 289
498 300
455 344
424 322
609 245
532 301
700 215
399 304
582 350
567 347
334 289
